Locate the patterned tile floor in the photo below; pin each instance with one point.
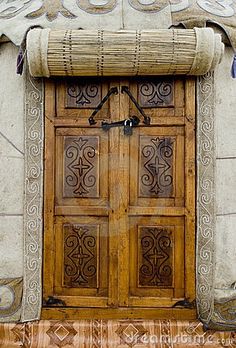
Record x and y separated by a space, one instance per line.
109 334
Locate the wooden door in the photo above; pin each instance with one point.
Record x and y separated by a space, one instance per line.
119 237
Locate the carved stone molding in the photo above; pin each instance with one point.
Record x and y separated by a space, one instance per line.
33 199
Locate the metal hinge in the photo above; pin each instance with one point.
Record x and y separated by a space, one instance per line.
185 304
54 302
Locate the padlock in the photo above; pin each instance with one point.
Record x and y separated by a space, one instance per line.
128 127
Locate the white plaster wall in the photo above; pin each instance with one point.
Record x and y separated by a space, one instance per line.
11 164
225 113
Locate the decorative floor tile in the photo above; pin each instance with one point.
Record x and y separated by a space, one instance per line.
113 334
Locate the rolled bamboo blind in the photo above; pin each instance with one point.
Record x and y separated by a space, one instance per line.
123 53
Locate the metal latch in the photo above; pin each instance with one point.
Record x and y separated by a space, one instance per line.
128 123
133 121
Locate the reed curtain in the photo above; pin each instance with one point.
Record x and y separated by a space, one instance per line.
123 53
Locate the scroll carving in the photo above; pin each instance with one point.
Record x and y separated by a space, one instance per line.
155 259
33 200
206 198
80 256
156 167
83 95
81 166
8 11
51 9
155 93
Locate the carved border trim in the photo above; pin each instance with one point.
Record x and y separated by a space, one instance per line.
206 160
33 199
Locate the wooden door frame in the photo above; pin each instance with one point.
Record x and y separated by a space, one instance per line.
87 313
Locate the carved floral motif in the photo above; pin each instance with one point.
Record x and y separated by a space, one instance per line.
51 9
81 165
83 95
156 167
156 257
80 250
155 93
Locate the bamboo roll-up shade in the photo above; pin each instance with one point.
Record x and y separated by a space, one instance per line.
123 53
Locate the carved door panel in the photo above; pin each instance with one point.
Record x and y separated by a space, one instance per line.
157 232
119 210
77 260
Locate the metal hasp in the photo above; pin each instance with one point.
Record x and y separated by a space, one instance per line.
133 121
146 119
128 123
113 90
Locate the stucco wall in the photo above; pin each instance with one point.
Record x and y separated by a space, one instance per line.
225 113
11 164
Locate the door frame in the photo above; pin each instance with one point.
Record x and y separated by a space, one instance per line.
34 135
137 311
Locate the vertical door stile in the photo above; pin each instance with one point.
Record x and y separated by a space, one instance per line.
123 267
113 203
190 189
49 157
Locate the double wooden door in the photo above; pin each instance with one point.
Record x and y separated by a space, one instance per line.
119 209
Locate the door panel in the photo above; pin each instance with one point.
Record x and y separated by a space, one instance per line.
157 167
156 268
76 98
81 260
119 210
82 167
